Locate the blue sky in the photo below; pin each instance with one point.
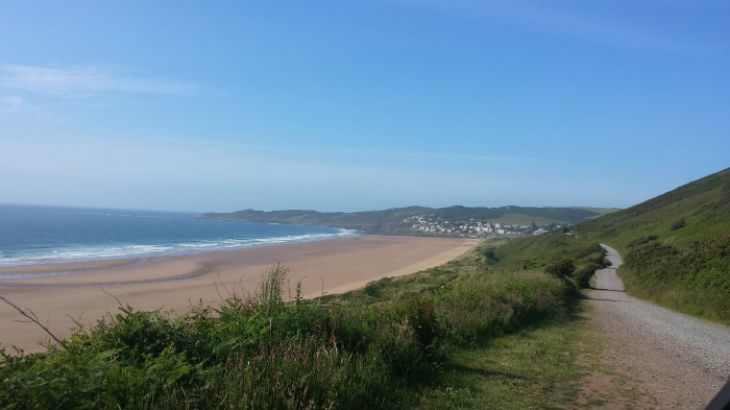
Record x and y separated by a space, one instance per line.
360 105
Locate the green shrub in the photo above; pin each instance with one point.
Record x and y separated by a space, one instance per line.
582 276
482 307
561 268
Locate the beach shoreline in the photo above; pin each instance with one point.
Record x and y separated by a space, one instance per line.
174 283
30 264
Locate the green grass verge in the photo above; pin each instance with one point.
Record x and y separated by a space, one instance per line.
557 364
534 368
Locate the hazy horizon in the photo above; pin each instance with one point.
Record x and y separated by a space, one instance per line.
333 106
287 209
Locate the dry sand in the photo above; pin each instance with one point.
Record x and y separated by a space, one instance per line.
174 283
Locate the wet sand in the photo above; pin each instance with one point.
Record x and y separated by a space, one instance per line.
82 290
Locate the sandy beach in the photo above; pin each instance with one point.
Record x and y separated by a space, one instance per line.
82 290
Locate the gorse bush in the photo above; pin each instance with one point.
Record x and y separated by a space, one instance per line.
359 350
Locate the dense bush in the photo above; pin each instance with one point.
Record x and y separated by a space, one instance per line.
480 307
562 268
583 275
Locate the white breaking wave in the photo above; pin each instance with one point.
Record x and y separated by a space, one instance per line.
81 253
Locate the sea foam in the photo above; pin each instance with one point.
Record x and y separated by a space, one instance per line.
83 253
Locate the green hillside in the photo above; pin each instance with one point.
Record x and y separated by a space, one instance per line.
676 246
391 221
384 221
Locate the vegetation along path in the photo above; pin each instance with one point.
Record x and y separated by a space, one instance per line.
679 360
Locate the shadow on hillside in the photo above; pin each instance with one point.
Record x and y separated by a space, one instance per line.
458 367
602 299
608 290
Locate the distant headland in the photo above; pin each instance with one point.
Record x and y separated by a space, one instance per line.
452 221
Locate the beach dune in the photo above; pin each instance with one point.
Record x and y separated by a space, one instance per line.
82 290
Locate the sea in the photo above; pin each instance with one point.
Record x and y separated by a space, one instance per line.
44 234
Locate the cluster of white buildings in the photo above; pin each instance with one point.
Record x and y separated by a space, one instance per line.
434 225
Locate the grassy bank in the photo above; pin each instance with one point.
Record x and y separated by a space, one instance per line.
373 348
694 280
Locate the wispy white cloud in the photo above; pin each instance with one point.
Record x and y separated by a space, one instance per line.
18 108
87 81
12 104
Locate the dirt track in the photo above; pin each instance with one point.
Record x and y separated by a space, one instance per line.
675 360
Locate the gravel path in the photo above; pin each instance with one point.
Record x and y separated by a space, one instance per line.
678 360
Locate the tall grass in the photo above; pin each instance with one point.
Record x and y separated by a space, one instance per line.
695 280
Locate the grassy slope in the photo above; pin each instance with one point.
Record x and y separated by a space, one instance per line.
601 211
676 246
522 219
395 343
